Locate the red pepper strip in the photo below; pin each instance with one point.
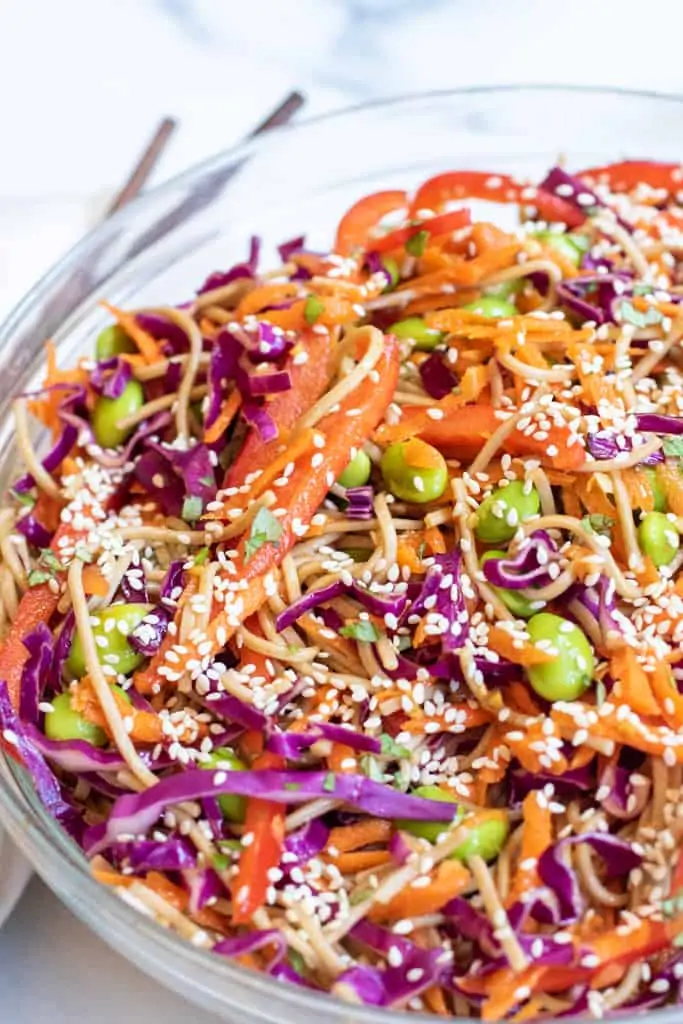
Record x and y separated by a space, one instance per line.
497 188
443 224
37 605
357 223
627 175
677 878
301 498
265 825
461 433
309 380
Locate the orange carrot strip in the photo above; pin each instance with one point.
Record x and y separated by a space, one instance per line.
228 411
504 644
447 880
360 860
149 347
345 838
632 684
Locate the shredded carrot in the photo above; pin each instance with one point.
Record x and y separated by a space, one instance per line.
447 880
227 413
516 651
367 832
149 347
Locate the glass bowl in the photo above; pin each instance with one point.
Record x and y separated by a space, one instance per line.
157 251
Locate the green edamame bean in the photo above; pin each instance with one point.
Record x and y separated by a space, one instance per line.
113 627
571 671
487 837
658 492
500 514
112 341
519 605
430 830
393 270
357 472
572 246
65 723
108 412
358 554
414 329
224 759
414 471
494 306
658 537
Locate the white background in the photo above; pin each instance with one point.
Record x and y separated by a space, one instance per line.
83 83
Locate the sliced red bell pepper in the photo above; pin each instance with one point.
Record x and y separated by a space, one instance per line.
497 188
442 224
628 174
309 380
357 223
460 435
263 841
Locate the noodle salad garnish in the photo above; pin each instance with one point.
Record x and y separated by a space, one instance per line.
342 620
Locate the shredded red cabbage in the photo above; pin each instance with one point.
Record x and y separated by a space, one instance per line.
37 671
110 377
438 379
376 604
529 567
620 858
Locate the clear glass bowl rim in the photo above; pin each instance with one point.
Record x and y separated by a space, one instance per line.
20 816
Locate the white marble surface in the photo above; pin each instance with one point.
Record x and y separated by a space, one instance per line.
84 82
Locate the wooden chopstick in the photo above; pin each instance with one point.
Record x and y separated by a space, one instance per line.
154 150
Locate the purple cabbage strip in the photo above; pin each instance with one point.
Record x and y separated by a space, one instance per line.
110 376
246 269
34 531
656 423
442 582
360 502
148 635
293 744
204 886
174 854
374 603
15 735
232 709
162 329
287 249
36 672
258 417
252 942
62 648
438 379
528 568
575 191
603 445
135 813
628 792
619 857
307 842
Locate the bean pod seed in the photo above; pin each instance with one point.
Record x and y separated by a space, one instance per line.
500 514
108 412
114 626
570 673
414 329
414 471
658 538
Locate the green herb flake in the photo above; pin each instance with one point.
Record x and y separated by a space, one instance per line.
673 446
598 523
27 500
201 556
642 289
416 245
84 554
193 506
313 308
630 315
422 547
220 862
371 768
293 786
390 748
330 782
207 481
49 560
362 630
38 576
265 529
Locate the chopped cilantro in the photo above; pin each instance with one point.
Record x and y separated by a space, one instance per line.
360 895
630 315
49 559
27 500
642 289
390 748
673 446
265 529
416 245
329 782
371 768
220 862
207 481
598 523
193 506
293 786
361 630
201 556
313 308
38 576
84 554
